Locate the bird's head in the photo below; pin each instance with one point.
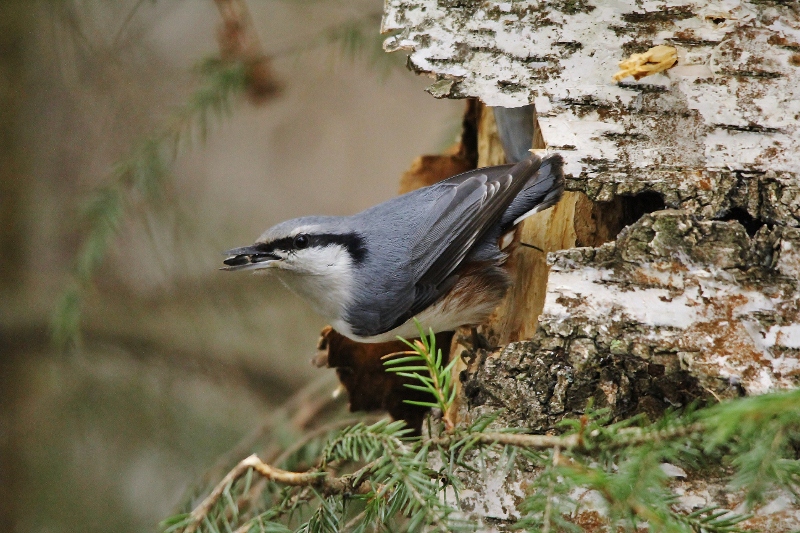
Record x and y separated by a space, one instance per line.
316 257
305 246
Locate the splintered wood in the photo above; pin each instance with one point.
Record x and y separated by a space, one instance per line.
653 61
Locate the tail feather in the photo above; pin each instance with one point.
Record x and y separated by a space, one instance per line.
515 125
544 190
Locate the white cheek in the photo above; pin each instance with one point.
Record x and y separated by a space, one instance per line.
327 261
323 276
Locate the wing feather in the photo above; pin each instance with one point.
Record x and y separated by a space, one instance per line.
461 216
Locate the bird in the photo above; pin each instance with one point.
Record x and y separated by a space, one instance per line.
436 254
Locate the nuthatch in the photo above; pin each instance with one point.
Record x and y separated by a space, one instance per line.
433 253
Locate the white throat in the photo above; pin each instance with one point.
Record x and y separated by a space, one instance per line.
321 275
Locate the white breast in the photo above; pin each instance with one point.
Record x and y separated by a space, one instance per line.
442 316
469 303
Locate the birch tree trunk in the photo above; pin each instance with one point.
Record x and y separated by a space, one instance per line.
675 256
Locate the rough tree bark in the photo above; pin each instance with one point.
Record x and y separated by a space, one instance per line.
676 253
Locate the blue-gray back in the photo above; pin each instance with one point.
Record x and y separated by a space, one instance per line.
417 241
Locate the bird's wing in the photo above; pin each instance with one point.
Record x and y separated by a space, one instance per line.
468 206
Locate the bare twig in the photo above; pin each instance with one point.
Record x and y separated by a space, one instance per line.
575 441
534 442
329 484
239 41
301 409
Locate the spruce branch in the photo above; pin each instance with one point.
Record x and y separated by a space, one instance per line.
394 484
141 176
317 433
393 481
407 483
712 520
266 521
326 482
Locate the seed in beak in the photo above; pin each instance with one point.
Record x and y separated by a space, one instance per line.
237 260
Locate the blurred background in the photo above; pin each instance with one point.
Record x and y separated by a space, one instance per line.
177 361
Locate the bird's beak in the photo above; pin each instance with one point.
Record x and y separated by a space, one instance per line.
249 258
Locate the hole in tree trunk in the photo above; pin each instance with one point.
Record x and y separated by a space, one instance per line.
600 222
751 225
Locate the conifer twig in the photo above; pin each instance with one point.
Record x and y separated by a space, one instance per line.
353 484
425 358
550 489
397 484
317 433
140 177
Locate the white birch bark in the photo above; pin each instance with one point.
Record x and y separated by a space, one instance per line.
697 297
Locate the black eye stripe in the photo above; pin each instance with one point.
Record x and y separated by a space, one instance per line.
352 242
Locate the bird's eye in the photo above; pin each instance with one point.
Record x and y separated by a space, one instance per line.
300 241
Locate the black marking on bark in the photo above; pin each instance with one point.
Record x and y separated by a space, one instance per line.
625 136
760 74
754 128
669 14
643 87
